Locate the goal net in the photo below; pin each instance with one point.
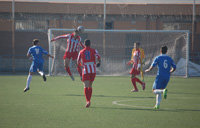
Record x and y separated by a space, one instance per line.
115 47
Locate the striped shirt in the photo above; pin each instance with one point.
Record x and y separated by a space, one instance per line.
136 56
87 57
73 43
141 53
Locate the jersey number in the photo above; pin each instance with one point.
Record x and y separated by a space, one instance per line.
87 55
165 64
37 51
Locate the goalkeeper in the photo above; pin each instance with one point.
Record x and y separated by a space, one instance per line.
142 59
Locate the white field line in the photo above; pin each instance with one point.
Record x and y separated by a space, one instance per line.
120 104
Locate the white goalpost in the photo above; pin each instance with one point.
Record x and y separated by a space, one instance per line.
115 47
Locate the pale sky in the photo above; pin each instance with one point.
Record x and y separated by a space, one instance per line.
119 1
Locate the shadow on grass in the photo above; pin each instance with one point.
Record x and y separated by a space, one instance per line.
136 108
150 109
184 93
109 96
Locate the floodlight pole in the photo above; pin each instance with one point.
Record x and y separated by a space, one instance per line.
104 15
13 35
104 27
193 24
187 55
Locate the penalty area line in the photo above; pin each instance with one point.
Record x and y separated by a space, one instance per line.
127 105
145 107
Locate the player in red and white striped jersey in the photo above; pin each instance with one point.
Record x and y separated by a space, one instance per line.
87 58
136 68
73 45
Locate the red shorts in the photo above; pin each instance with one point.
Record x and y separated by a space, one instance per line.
134 70
89 76
69 55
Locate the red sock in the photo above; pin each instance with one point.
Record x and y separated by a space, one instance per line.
134 83
139 81
79 71
86 91
90 93
68 70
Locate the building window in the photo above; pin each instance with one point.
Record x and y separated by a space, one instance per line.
109 25
177 26
31 25
171 26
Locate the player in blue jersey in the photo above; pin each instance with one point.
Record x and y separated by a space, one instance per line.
165 67
35 53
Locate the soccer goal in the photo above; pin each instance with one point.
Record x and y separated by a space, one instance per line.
115 47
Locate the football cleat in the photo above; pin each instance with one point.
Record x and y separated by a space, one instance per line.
87 105
44 77
26 89
134 90
156 106
165 93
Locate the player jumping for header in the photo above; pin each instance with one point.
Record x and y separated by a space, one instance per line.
164 63
87 58
37 61
73 43
136 61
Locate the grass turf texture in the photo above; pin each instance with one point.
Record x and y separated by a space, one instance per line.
60 102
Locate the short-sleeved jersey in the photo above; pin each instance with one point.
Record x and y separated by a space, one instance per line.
37 52
87 57
142 55
164 64
72 43
136 57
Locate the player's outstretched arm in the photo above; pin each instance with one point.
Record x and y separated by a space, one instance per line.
149 69
130 62
50 56
59 37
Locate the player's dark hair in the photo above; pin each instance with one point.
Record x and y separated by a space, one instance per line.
35 41
164 49
87 42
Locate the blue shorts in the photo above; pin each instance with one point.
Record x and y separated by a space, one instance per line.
36 66
160 82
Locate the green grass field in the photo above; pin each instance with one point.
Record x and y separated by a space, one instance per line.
60 103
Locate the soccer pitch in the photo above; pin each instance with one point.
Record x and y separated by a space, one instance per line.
60 103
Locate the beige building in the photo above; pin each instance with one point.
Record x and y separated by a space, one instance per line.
32 20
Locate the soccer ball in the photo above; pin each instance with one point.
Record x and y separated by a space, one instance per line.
81 29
